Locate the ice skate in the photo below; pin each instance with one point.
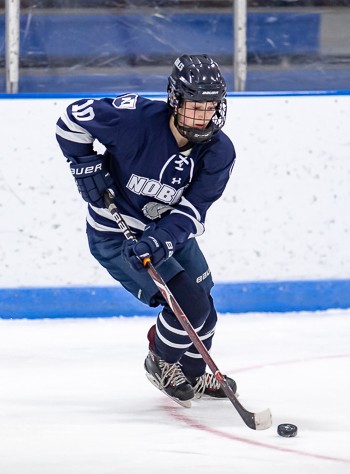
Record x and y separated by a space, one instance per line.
206 386
169 379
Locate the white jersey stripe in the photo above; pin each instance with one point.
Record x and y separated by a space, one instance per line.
194 356
199 226
174 330
186 202
74 127
202 338
102 212
100 227
73 137
131 221
172 344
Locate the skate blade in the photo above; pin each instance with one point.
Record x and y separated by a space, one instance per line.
183 403
208 397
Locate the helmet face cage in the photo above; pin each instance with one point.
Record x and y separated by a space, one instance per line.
197 79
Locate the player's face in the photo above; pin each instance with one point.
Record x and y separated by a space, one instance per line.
196 114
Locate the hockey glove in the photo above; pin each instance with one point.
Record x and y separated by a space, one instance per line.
155 244
92 179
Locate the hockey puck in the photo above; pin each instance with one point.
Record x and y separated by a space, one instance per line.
287 430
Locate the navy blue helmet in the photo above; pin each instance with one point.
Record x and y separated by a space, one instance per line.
197 78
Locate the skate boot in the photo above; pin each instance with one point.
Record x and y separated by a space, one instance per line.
206 386
169 379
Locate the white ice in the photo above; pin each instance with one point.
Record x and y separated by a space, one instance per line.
74 399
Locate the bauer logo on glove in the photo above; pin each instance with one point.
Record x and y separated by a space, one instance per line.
78 170
92 178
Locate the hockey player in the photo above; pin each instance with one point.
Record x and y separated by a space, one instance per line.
167 163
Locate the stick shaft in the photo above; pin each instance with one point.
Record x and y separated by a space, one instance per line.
248 417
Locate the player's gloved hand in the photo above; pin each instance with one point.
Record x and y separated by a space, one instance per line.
92 179
155 244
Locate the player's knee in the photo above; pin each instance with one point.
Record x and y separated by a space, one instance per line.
212 318
192 298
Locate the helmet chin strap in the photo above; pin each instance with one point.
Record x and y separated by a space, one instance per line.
194 135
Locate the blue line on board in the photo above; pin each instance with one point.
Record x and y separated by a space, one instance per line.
91 302
77 95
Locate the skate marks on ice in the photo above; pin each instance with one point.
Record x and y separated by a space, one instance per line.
74 398
323 430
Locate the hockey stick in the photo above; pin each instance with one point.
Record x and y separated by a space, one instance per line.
255 421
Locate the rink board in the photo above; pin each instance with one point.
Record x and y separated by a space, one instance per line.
91 302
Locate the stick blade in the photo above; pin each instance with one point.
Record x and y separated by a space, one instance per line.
263 420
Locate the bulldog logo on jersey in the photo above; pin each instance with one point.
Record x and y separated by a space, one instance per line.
153 210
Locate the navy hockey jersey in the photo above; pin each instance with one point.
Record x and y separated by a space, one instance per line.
155 180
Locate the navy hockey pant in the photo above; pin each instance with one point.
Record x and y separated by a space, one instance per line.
189 279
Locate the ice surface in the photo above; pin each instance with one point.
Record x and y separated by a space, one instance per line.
74 398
